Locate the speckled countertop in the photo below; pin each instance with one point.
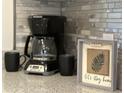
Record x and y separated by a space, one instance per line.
18 82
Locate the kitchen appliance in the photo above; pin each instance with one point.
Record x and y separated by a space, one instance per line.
46 44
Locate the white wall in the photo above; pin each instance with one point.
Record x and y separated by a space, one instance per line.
8 26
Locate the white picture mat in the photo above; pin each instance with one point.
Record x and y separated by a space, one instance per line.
100 77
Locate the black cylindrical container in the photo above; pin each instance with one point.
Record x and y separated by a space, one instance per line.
66 64
12 61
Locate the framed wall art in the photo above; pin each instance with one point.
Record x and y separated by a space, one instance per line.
97 63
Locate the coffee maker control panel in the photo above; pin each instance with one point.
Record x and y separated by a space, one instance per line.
35 68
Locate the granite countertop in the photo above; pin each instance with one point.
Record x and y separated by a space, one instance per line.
19 82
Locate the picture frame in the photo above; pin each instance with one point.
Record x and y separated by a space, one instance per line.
97 63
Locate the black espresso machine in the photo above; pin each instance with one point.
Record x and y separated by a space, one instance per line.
46 44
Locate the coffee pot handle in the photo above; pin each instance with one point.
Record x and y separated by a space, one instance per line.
26 45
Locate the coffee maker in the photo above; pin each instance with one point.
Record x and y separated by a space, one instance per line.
46 44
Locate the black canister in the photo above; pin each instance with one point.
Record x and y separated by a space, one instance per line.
66 64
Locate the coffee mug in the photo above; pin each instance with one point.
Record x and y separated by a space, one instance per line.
12 61
66 64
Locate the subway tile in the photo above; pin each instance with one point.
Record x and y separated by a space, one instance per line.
101 15
120 30
113 0
115 5
115 30
86 7
86 32
108 30
111 5
99 6
114 20
102 1
118 5
94 20
114 25
114 15
102 25
117 10
28 1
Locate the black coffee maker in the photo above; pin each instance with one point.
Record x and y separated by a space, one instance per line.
46 44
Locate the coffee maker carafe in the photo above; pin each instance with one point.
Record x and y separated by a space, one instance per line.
45 46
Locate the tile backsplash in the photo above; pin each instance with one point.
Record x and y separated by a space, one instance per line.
25 8
95 19
85 19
